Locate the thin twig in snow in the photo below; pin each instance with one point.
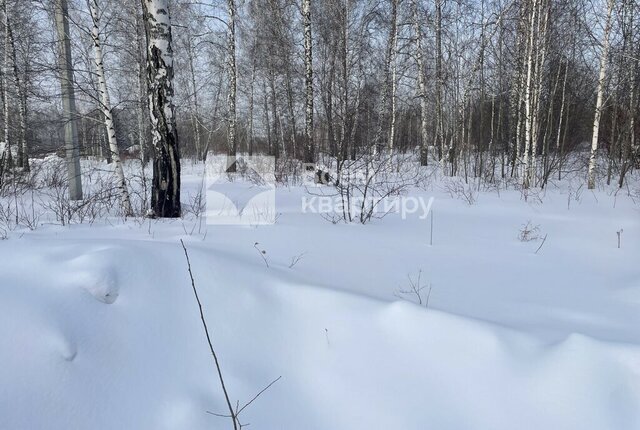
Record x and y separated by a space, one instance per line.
206 331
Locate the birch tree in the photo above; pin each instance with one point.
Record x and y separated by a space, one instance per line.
392 51
422 85
165 191
388 89
5 97
591 180
233 82
439 140
22 152
308 81
105 105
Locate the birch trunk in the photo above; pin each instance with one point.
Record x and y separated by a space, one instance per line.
142 96
439 141
528 120
394 101
308 82
274 115
195 114
591 180
23 153
5 98
105 104
251 107
422 85
386 89
165 191
562 103
233 79
343 147
516 98
290 111
4 152
394 81
630 144
541 53
267 120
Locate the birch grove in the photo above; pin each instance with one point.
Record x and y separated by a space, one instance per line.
522 91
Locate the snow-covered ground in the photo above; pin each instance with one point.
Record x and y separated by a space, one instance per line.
99 328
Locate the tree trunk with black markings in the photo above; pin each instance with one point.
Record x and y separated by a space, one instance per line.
165 186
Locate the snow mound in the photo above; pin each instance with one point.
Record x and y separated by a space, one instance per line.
96 277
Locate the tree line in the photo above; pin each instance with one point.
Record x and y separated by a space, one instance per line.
489 89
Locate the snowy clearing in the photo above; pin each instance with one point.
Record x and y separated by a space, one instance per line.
99 328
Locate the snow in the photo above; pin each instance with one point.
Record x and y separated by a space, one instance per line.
99 328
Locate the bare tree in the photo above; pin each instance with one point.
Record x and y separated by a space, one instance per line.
422 84
105 104
23 152
165 192
591 181
308 78
233 82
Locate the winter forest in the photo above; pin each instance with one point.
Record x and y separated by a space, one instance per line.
485 89
320 214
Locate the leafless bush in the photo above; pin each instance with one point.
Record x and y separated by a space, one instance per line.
361 186
458 188
93 206
288 172
197 202
575 194
139 186
415 292
54 175
29 214
532 195
101 198
529 232
295 260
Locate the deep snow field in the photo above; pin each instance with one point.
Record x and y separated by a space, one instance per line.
99 328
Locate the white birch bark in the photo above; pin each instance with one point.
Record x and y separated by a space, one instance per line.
591 180
251 107
422 85
527 95
5 88
386 89
439 143
541 52
308 81
105 104
23 153
394 69
165 192
233 79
